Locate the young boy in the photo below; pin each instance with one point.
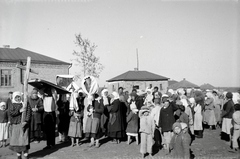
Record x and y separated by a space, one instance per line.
147 127
180 142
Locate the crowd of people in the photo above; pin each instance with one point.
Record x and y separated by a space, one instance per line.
169 121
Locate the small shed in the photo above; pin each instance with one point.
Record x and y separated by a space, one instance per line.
139 80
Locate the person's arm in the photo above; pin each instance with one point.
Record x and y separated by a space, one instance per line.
40 105
129 117
115 107
54 95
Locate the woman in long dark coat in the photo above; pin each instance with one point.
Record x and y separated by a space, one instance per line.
63 125
19 134
115 125
105 102
36 105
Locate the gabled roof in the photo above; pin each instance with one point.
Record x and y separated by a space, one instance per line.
19 54
207 86
138 76
183 84
170 82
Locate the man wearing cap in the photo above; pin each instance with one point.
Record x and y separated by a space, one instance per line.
227 112
166 120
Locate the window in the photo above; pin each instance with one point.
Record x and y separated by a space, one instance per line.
161 87
6 77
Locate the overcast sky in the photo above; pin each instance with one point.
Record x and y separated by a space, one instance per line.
197 40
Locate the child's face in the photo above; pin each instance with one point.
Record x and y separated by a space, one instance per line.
146 113
177 130
3 107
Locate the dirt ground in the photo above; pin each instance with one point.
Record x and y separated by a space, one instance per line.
210 146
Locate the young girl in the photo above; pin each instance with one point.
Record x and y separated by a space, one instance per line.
132 120
75 126
92 130
4 123
147 127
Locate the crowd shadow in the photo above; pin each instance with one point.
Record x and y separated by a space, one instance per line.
42 153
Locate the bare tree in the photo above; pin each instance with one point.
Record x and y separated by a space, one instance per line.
85 57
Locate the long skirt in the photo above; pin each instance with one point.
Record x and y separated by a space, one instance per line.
3 131
198 119
19 140
92 127
75 129
35 130
227 125
209 117
217 112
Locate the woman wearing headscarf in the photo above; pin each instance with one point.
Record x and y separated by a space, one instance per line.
105 102
19 134
115 125
209 116
227 113
36 105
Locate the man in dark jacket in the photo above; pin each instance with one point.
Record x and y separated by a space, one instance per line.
36 105
166 120
227 112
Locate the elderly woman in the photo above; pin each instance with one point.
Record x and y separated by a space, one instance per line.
36 105
209 116
105 101
19 134
115 125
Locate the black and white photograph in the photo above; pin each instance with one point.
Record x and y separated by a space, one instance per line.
119 79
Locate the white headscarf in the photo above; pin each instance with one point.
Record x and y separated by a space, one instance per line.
16 94
115 95
105 99
103 92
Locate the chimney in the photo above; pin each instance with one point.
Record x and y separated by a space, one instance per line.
135 69
6 46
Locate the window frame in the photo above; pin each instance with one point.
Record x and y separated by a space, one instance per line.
9 77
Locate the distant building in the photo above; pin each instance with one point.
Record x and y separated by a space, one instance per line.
138 79
12 77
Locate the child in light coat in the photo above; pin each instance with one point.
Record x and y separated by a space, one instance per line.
147 127
4 124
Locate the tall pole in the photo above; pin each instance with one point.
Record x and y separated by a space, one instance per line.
137 59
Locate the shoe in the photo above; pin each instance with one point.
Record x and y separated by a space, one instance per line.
72 145
91 145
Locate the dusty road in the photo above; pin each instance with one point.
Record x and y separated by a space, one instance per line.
211 146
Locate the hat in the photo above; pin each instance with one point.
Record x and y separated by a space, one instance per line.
133 94
184 125
176 124
237 107
178 102
229 95
165 96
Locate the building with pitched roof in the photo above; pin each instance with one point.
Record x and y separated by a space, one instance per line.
12 77
138 79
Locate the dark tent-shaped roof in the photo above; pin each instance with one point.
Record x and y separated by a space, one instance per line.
138 76
19 54
170 82
183 84
207 86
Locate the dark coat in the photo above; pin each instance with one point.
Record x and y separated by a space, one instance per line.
115 117
132 123
166 119
38 103
98 109
228 109
105 115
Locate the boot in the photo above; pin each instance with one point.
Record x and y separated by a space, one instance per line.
92 142
97 144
